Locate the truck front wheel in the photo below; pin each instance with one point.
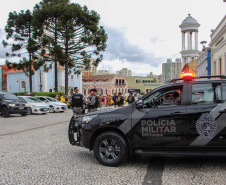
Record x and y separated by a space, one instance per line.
110 149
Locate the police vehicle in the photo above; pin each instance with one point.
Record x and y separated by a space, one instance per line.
186 116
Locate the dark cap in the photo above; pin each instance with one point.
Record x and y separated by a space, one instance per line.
75 88
93 89
119 93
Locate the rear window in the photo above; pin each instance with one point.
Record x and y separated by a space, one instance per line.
208 93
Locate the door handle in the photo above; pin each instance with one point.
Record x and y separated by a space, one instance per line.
176 114
222 111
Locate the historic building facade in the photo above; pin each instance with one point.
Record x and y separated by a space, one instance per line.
218 49
3 78
105 84
18 81
203 64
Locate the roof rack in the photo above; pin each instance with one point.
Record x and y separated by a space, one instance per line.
214 76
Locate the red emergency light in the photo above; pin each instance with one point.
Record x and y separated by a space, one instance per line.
187 76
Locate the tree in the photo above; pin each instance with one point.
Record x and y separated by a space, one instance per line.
19 29
47 14
80 36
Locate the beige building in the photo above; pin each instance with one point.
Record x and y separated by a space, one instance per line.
92 70
171 70
124 72
218 49
103 72
145 84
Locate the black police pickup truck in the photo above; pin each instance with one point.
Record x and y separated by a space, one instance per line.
186 116
11 104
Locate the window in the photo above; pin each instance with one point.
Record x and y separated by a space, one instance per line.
72 77
23 84
220 66
106 91
165 97
202 94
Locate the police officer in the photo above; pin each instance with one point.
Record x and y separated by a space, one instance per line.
94 100
114 99
120 100
131 98
77 102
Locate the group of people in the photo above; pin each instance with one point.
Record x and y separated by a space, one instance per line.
94 101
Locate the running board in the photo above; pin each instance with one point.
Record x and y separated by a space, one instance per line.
183 153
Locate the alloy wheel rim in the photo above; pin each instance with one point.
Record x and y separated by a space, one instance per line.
109 150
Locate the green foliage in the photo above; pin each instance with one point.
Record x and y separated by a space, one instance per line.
51 94
154 80
19 29
75 37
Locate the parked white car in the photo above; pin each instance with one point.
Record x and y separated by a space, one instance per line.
35 105
54 105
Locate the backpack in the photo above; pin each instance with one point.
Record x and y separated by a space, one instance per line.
102 100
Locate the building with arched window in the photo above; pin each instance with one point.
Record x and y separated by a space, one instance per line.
105 84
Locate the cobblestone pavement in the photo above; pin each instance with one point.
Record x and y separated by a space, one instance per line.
35 150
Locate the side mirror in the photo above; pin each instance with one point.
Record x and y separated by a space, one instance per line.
45 101
139 104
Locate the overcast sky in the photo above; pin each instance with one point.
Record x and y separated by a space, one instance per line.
141 34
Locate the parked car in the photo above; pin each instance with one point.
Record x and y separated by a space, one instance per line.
35 106
54 105
11 104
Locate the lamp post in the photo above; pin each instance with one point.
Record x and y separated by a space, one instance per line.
203 45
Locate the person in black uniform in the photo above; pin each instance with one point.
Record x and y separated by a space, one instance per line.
131 98
93 100
120 100
114 99
77 102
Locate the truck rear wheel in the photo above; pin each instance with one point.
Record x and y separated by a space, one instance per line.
110 149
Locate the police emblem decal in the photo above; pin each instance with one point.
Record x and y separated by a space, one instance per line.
206 126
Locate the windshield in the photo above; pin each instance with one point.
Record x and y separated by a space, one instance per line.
10 97
32 100
152 97
52 99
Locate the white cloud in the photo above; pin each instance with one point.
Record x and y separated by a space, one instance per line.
150 27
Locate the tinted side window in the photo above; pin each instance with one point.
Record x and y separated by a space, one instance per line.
202 94
224 92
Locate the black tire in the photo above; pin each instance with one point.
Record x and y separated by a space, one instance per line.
51 108
110 149
5 112
24 114
29 112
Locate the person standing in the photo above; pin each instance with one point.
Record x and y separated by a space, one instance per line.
114 99
109 100
120 100
94 101
77 102
101 103
131 98
104 101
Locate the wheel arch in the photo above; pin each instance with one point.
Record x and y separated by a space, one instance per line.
106 129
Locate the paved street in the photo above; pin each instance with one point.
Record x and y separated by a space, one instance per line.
35 150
